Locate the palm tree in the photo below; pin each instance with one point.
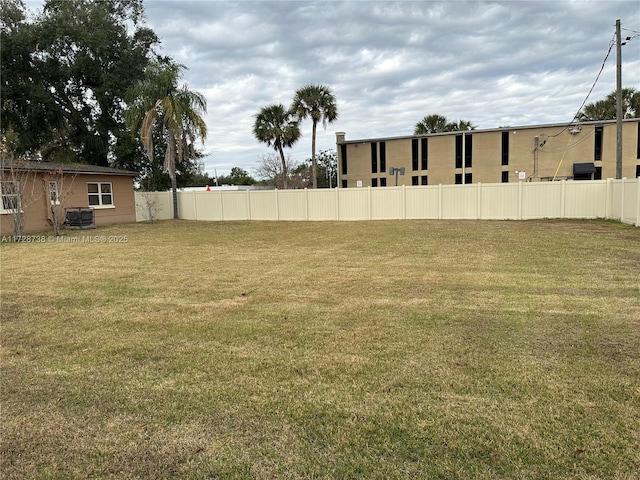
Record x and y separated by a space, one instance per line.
319 103
606 109
278 128
158 101
435 123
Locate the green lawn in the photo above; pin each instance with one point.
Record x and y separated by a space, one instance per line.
337 350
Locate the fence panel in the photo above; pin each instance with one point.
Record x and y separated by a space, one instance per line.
292 204
422 202
323 204
153 206
630 208
353 204
585 199
459 202
263 204
386 203
499 201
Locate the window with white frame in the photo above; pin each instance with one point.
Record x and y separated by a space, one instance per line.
54 197
10 192
100 194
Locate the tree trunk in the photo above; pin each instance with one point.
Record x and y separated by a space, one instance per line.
314 165
174 190
285 174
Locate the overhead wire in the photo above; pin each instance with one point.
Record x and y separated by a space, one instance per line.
612 42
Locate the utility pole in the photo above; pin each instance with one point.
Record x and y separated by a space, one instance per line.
618 102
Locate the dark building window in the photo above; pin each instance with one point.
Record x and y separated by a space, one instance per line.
414 180
459 152
344 184
414 154
597 148
425 180
505 148
505 177
638 142
598 174
343 154
374 157
383 182
425 153
468 150
374 182
637 171
383 157
468 178
458 180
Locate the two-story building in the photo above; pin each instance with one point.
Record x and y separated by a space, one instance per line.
579 151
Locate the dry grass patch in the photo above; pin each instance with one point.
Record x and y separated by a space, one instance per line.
412 349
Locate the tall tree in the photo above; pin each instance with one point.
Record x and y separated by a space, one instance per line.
157 101
605 109
318 103
68 74
435 123
278 128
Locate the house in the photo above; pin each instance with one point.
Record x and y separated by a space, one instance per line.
45 193
580 151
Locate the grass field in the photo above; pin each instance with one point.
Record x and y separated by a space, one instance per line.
400 349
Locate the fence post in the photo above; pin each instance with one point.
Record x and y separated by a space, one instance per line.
404 202
479 206
369 200
563 198
248 204
277 206
439 201
337 203
195 206
306 203
520 200
607 200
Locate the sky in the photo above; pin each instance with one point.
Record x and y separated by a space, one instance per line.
389 63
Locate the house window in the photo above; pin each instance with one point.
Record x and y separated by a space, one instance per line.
100 194
383 157
414 154
505 177
54 197
374 157
597 147
414 180
374 182
10 192
505 149
425 180
425 153
343 154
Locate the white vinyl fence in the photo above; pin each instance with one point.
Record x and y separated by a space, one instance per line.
612 199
